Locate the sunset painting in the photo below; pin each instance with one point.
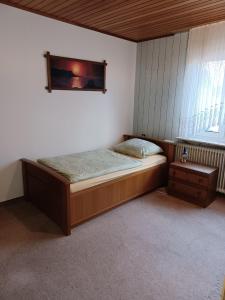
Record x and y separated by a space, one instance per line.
75 74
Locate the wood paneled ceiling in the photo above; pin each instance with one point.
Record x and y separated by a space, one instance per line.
135 20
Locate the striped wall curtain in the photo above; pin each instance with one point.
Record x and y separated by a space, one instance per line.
203 105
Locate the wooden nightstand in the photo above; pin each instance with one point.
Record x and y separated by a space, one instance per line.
193 182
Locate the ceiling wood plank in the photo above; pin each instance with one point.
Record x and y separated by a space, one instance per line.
169 23
136 9
134 20
96 9
61 5
143 16
160 20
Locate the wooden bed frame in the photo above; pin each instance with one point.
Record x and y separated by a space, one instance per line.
50 191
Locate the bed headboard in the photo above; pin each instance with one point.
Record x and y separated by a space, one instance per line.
167 146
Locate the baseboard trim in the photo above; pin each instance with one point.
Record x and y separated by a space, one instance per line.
12 201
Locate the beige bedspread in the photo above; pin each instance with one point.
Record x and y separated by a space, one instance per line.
150 161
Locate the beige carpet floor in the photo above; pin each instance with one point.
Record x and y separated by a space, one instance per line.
155 247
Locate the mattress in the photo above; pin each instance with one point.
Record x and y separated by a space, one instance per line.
90 164
146 163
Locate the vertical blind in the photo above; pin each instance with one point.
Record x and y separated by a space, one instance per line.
203 106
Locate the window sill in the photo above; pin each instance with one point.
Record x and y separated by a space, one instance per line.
200 142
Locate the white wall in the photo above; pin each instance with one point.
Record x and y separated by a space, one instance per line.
35 123
159 85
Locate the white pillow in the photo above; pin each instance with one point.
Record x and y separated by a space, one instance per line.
137 148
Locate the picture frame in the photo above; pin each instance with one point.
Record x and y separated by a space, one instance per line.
64 73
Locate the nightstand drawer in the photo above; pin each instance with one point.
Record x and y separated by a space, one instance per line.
193 182
186 190
189 177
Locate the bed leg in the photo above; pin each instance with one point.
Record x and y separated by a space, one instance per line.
67 231
25 183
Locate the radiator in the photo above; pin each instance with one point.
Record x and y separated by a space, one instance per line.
206 156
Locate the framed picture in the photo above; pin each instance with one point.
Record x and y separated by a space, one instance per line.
75 74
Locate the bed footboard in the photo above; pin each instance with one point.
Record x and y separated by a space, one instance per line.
49 191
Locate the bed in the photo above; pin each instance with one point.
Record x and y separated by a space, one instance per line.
71 204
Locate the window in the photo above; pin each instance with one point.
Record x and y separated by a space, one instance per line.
203 107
